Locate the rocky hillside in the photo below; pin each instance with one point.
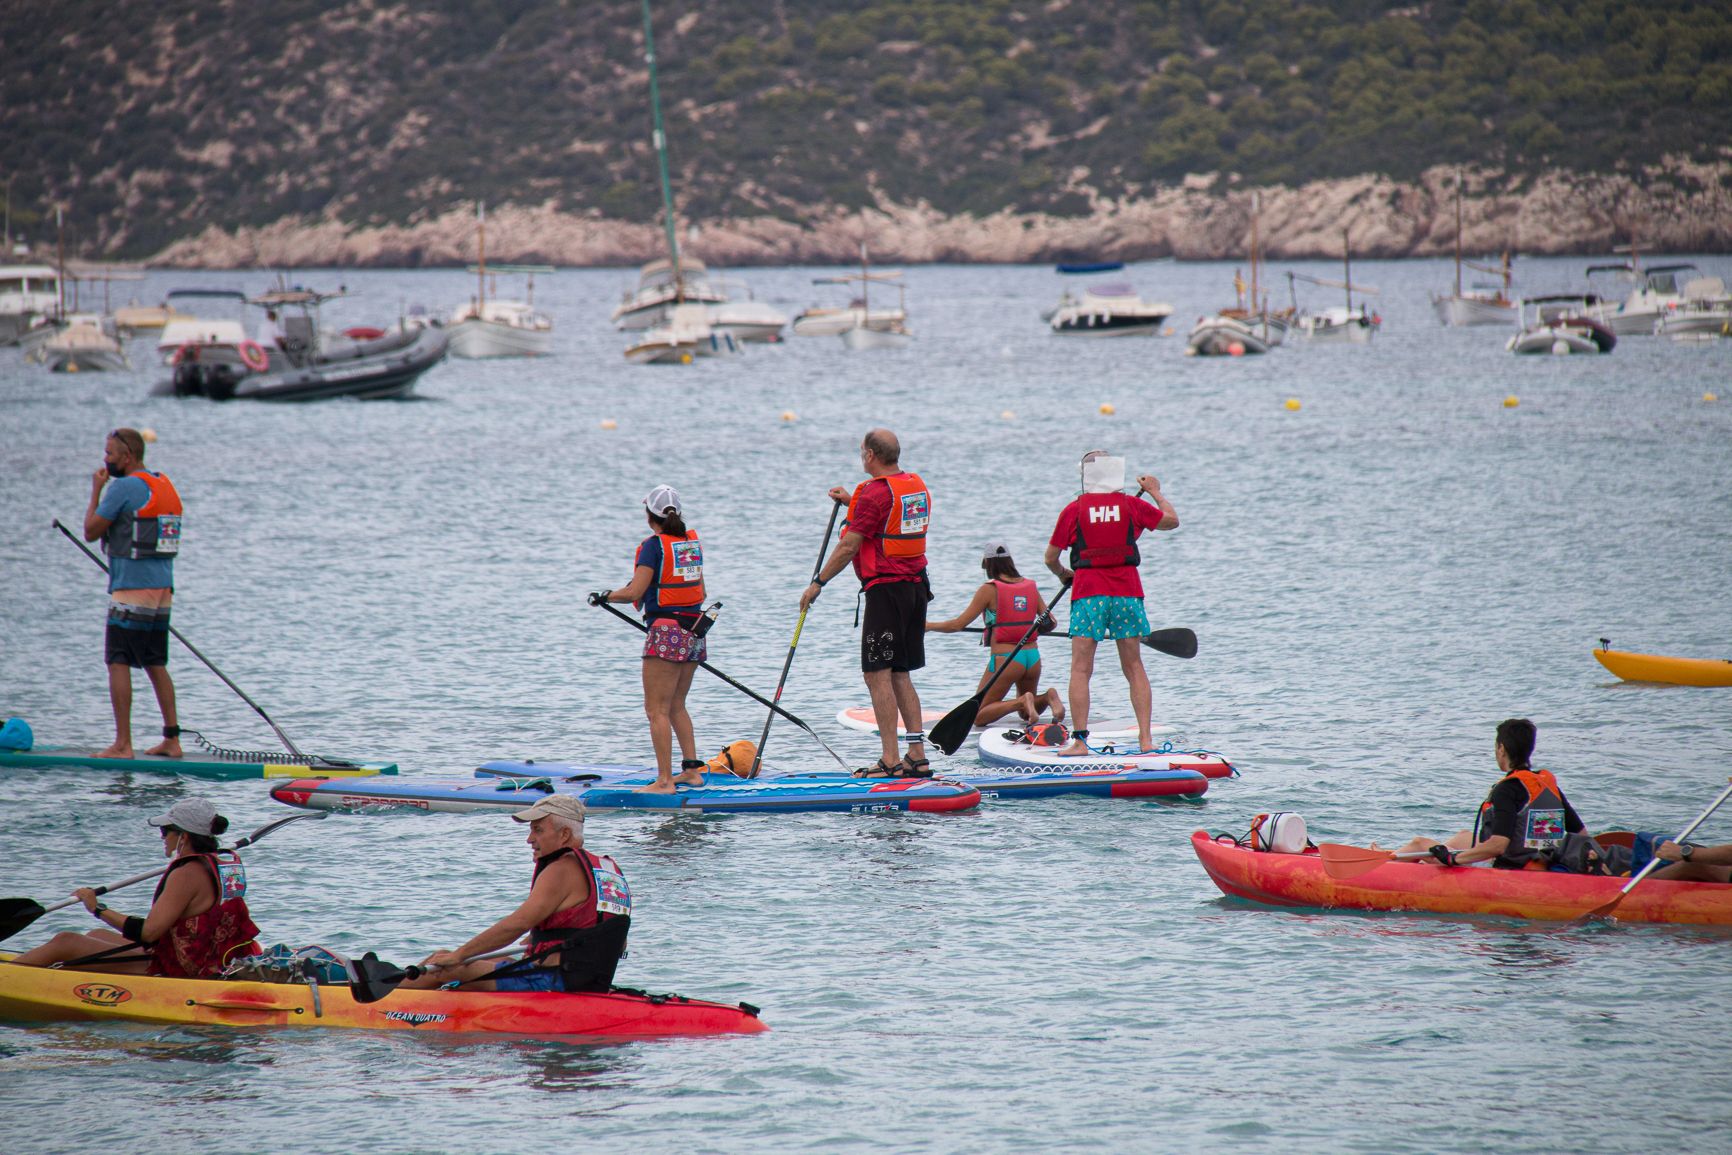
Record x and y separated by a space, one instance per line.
304 132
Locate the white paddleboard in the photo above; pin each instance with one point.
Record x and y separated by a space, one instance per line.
860 718
1110 751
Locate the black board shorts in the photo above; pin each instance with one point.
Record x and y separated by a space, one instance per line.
893 630
137 636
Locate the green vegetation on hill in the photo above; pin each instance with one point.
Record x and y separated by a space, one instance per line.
152 122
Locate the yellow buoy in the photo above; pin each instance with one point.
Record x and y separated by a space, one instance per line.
1293 404
1709 397
685 358
1107 409
72 366
149 436
789 415
1510 402
1008 415
609 423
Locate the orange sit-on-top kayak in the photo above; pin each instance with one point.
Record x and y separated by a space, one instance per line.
1301 880
1672 671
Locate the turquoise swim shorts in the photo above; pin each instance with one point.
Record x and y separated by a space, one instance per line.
1106 619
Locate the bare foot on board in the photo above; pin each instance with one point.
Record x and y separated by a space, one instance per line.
168 748
118 750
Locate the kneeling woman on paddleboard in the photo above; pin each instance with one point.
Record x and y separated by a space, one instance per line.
198 919
667 584
1011 604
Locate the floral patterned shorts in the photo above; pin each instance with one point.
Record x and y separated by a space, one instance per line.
670 642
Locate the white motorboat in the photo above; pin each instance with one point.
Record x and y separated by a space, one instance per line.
661 285
1109 310
1706 311
826 321
1225 335
685 337
749 320
1483 302
860 325
27 294
1659 292
865 336
208 340
1556 325
1344 325
86 343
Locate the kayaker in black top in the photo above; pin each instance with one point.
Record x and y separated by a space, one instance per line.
1523 818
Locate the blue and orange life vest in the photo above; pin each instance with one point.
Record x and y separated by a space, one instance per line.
679 583
1013 611
1106 532
903 534
154 530
1539 826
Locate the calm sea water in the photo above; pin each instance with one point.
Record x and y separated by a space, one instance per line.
1376 578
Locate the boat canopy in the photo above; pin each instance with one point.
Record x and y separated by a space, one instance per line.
1091 267
208 294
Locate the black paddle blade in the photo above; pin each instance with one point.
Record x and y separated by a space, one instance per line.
18 913
953 729
375 978
1179 642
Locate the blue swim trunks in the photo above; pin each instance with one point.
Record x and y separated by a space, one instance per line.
538 979
1106 619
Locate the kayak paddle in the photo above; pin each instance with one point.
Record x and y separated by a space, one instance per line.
788 663
194 650
746 690
18 913
1343 862
1179 642
375 978
953 729
1604 910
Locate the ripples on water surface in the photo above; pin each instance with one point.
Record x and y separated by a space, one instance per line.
1376 579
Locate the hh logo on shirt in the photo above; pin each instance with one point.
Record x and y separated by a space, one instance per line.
1102 513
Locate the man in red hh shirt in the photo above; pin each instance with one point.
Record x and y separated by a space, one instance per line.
1101 528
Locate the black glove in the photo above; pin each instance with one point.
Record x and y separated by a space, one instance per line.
1443 854
599 596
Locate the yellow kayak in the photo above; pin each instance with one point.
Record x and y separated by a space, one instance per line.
1672 671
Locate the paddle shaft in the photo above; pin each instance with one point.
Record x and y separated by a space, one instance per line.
1179 642
149 874
260 710
948 735
788 662
746 690
1653 863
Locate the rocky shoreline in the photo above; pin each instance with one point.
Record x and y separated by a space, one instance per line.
1680 207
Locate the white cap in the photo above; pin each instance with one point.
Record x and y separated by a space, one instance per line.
661 500
1102 474
995 549
193 815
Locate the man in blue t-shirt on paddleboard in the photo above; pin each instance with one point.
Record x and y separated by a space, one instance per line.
137 520
1100 528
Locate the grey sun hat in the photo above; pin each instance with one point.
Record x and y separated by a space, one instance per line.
193 815
995 549
661 500
554 806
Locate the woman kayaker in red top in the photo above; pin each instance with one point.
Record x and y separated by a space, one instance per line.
667 583
578 905
198 919
1011 604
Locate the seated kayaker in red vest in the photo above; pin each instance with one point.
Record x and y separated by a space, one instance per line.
198 918
667 584
1525 816
1011 604
1692 863
574 921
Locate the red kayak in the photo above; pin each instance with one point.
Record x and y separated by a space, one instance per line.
1300 880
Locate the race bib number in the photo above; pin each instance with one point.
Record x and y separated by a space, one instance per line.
916 512
168 533
1545 829
612 895
688 560
233 877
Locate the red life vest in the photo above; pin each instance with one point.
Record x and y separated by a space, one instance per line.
154 530
1013 612
679 583
586 941
1540 824
609 898
903 534
199 945
1106 532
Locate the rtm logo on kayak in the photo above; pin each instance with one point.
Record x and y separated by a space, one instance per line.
101 994
415 1018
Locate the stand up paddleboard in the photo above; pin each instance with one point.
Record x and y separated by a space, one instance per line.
503 787
861 719
202 764
998 748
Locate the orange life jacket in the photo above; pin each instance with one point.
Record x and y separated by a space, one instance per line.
1541 823
153 531
903 533
679 584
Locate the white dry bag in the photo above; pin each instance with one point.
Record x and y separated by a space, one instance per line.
1282 832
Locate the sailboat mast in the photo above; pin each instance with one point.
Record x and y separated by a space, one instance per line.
1458 232
480 256
661 146
60 258
1347 270
1256 210
865 288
